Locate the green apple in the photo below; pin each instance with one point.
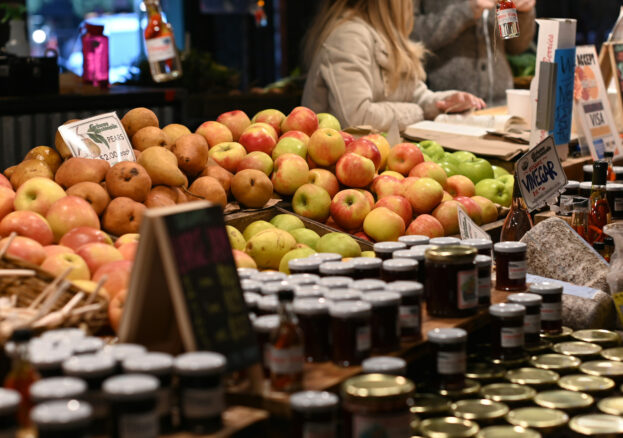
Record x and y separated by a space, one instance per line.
450 164
463 156
269 246
306 236
432 149
495 191
290 145
476 169
426 157
499 171
287 222
340 243
299 253
255 227
236 239
508 180
326 120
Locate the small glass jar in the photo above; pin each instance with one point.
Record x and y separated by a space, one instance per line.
414 240
310 291
367 268
507 432
366 286
201 392
62 419
597 386
395 366
246 272
604 338
507 340
385 321
399 270
419 253
268 276
559 363
410 310
611 405
132 400
251 299
303 279
551 307
121 352
253 286
483 246
598 425
9 405
405 254
350 332
337 282
604 368
450 345
483 265
581 350
451 279
615 354
510 266
68 334
385 250
532 318
48 361
377 404
485 372
314 321
614 194
267 305
445 241
58 388
572 188
430 405
337 269
309 265
264 327
314 414
88 345
535 377
342 295
546 421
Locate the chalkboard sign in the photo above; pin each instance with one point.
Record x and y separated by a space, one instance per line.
200 300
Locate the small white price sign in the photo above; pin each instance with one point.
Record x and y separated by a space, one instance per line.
101 137
541 175
468 228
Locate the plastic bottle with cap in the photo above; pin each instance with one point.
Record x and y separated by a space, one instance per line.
62 419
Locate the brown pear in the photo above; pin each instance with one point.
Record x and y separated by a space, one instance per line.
222 175
123 216
161 196
78 169
138 118
60 144
91 192
128 179
150 136
161 165
29 169
175 131
137 153
208 188
181 195
252 188
46 154
191 151
9 171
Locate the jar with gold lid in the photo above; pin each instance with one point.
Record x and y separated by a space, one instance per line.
534 377
449 427
483 411
471 389
507 432
559 363
604 338
485 372
541 419
377 403
599 425
603 368
615 354
511 394
563 336
568 401
581 350
430 405
611 405
594 385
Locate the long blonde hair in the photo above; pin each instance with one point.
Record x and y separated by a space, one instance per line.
393 19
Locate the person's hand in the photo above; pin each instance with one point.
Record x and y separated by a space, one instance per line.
524 5
480 5
460 102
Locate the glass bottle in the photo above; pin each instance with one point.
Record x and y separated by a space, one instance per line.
579 217
615 274
286 356
609 156
608 248
599 214
164 61
506 17
518 222
95 60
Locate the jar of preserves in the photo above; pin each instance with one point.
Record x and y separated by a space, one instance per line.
251 299
327 256
450 345
451 278
581 350
611 405
264 326
251 286
449 427
58 388
568 401
546 421
377 404
604 338
444 241
405 254
337 282
410 310
9 405
48 361
303 279
600 425
337 269
551 307
419 253
483 246
395 366
532 318
350 332
268 276
367 268
559 363
615 354
585 187
507 432
604 368
484 411
314 321
511 394
614 195
310 291
507 340
62 419
267 305
510 266
340 295
399 270
483 265
314 414
246 272
385 250
430 405
88 345
121 352
63 335
414 240
485 372
201 393
385 323
309 265
365 286
535 377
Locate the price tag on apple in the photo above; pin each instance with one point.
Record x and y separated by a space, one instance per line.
540 173
468 228
101 137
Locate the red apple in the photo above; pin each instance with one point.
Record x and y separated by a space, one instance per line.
489 210
28 224
57 249
348 138
383 145
228 155
38 194
271 116
425 225
403 157
98 254
349 208
4 182
432 170
446 214
354 170
71 212
399 205
25 248
56 264
7 197
128 250
79 236
324 179
397 175
383 225
424 195
126 238
362 235
290 172
459 185
368 196
367 149
259 137
237 121
214 133
118 274
115 309
326 146
300 119
298 135
471 207
312 201
385 185
257 161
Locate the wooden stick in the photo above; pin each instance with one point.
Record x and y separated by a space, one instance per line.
8 243
86 309
50 288
51 300
96 291
56 318
17 272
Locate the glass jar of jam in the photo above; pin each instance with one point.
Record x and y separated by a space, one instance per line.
251 299
249 285
132 400
314 321
48 361
405 254
310 291
57 388
483 246
62 419
444 241
385 322
337 269
399 270
450 345
532 319
395 366
303 279
327 256
419 253
61 335
267 305
309 265
367 268
385 250
510 266
341 295
507 340
246 272
483 265
551 307
414 240
201 392
350 332
264 326
377 405
120 352
614 195
451 279
366 286
9 404
314 414
268 276
88 345
410 310
337 282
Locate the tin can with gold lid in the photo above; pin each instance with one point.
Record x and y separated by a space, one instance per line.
542 419
559 363
598 425
605 338
594 385
485 372
533 377
564 399
611 405
448 427
430 405
507 432
509 393
579 349
615 354
603 368
483 411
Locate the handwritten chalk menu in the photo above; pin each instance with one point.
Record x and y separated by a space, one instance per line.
563 109
184 293
540 173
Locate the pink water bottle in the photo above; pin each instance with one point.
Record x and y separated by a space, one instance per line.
95 55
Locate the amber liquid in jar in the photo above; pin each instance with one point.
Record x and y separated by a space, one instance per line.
350 332
510 266
507 331
451 358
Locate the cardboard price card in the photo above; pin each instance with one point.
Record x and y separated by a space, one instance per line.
100 137
540 173
468 228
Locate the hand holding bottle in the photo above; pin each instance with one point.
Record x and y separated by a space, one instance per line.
480 5
524 5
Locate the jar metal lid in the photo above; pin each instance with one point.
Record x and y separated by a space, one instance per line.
303 279
89 365
406 288
444 241
588 168
249 285
343 295
478 243
614 187
546 288
586 383
364 263
406 254
273 287
504 310
555 362
537 418
337 268
447 335
429 404
90 344
479 409
310 291
149 363
565 333
526 299
615 354
9 400
388 247
307 263
311 306
400 265
510 247
453 254
507 432
338 282
130 387
64 334
470 388
508 392
200 363
449 427
375 386
484 371
350 309
597 424
532 376
60 414
577 348
384 365
572 184
586 185
268 276
419 252
606 368
327 256
56 388
483 261
611 405
379 299
251 298
563 399
268 303
368 285
120 352
414 239
49 358
266 323
597 336
314 401
246 272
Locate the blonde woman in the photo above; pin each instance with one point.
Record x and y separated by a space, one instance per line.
364 70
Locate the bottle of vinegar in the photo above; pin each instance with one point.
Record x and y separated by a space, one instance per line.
518 221
599 213
164 61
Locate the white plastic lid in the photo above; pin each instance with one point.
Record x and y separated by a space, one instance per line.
251 298
444 241
350 309
120 352
267 276
310 291
273 287
414 239
400 265
385 365
311 306
200 363
266 323
9 400
303 279
525 299
149 363
546 288
406 288
368 285
343 295
57 388
338 282
614 187
586 185
387 247
337 268
314 401
250 285
246 272
380 299
327 256
130 387
510 247
88 345
51 357
478 243
405 254
419 252
507 309
572 184
89 365
482 261
61 414
447 335
367 262
268 303
305 264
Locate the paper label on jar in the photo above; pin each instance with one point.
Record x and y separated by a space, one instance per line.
313 429
286 360
160 49
410 316
532 323
451 362
467 289
386 426
551 311
484 286
363 339
138 425
618 204
517 270
511 337
163 401
203 403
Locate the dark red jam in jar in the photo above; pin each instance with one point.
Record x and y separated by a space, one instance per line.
394 366
444 241
309 265
327 256
267 305
385 322
62 419
366 286
310 291
350 332
483 265
264 326
510 266
451 281
385 250
450 345
507 335
314 414
400 270
337 269
419 253
483 246
251 299
367 268
532 319
314 321
337 295
337 282
410 307
414 240
551 307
